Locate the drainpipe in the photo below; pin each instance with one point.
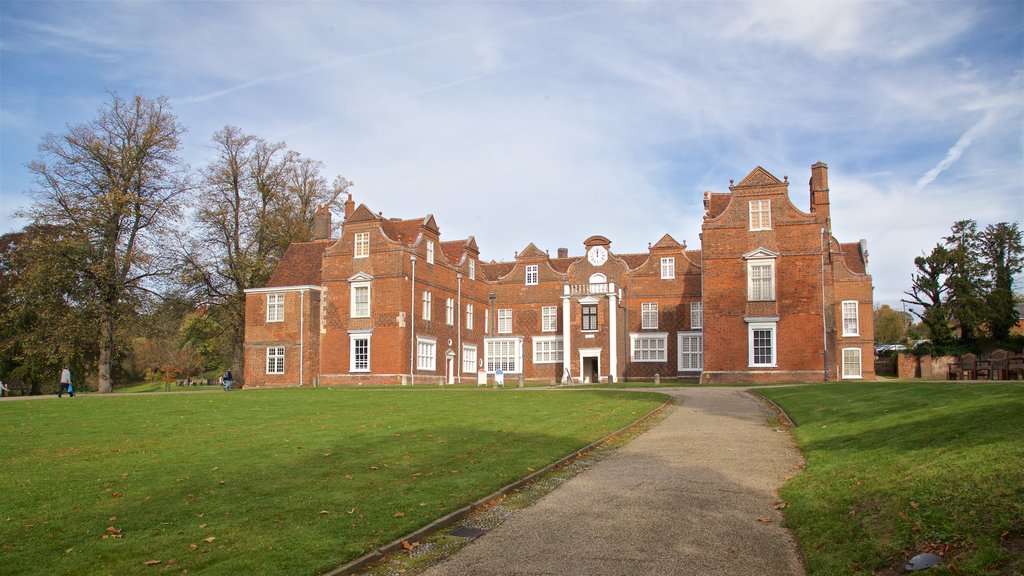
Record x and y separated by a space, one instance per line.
494 319
412 326
458 319
302 331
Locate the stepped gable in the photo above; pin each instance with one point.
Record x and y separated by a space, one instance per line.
300 265
531 252
853 258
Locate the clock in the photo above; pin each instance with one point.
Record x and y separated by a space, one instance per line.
597 255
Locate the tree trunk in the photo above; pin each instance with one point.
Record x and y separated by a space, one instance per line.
103 381
238 356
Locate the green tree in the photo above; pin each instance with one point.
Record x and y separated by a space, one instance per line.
1002 254
928 291
890 325
257 197
966 281
111 185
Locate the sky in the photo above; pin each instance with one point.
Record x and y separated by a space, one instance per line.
549 122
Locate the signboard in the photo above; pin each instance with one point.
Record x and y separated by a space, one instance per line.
499 377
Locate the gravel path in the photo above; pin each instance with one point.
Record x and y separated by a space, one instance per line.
693 495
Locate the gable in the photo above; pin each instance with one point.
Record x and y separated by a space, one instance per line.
667 241
531 251
758 177
361 214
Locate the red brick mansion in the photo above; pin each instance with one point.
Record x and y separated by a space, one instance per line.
771 296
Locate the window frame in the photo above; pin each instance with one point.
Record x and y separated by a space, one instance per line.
696 311
275 307
472 269
648 315
469 357
516 351
430 345
427 305
275 357
859 363
686 357
430 251
549 319
532 274
354 311
548 350
753 292
654 354
668 268
353 363
763 209
772 328
469 316
449 311
361 245
588 311
854 319
504 320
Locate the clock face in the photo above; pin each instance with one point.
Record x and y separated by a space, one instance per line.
597 255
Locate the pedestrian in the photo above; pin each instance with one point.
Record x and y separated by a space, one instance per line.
227 380
4 390
65 383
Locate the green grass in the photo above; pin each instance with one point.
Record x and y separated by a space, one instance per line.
161 387
292 481
898 468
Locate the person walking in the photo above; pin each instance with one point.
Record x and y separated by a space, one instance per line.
227 380
4 390
65 383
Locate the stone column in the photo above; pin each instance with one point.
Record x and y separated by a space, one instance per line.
566 339
613 335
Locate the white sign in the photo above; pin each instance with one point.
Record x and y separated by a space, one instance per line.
499 377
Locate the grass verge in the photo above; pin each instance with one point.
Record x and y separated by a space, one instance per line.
894 469
267 482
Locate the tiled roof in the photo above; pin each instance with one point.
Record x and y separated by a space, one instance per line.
852 257
715 204
300 265
562 264
453 250
404 231
495 270
634 261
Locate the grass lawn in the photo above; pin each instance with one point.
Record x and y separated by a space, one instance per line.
896 468
293 481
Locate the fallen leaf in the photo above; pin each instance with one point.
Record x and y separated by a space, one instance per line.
399 514
202 525
406 545
104 537
125 475
112 530
112 518
116 494
348 476
530 469
171 561
68 551
210 539
215 468
192 546
352 511
915 505
152 562
322 512
764 520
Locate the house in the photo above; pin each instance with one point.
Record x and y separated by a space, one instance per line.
771 296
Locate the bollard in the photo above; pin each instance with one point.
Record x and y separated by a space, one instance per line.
657 378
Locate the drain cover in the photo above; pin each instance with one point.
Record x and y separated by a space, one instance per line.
468 532
922 561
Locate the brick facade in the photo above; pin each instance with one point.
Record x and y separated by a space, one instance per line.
771 296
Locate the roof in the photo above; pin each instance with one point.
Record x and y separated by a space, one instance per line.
852 257
495 270
715 203
300 265
453 250
634 261
667 241
404 231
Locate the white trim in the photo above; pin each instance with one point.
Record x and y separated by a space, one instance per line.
549 319
556 354
770 279
466 348
352 337
636 354
280 358
532 273
356 286
277 307
430 251
449 311
773 328
469 316
668 272
699 308
428 305
516 343
680 352
764 212
860 364
648 311
420 363
282 289
361 239
855 317
506 322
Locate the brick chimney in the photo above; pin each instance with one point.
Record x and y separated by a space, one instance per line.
322 223
819 192
350 205
563 252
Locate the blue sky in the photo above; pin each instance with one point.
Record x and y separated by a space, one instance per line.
548 122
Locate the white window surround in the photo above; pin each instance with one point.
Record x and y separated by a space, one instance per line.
668 268
696 315
851 320
468 359
275 359
426 354
469 316
760 275
690 351
851 364
648 346
427 310
361 248
359 352
766 335
275 307
531 275
504 320
548 350
360 300
760 215
472 270
503 353
430 251
449 311
649 315
549 319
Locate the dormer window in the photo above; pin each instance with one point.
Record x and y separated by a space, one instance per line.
531 275
362 245
668 268
760 215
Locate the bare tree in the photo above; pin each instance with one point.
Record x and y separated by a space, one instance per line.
257 198
111 185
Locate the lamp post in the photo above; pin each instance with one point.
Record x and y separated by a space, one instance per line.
494 319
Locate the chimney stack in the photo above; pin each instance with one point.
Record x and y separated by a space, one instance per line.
322 223
563 252
350 205
819 192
